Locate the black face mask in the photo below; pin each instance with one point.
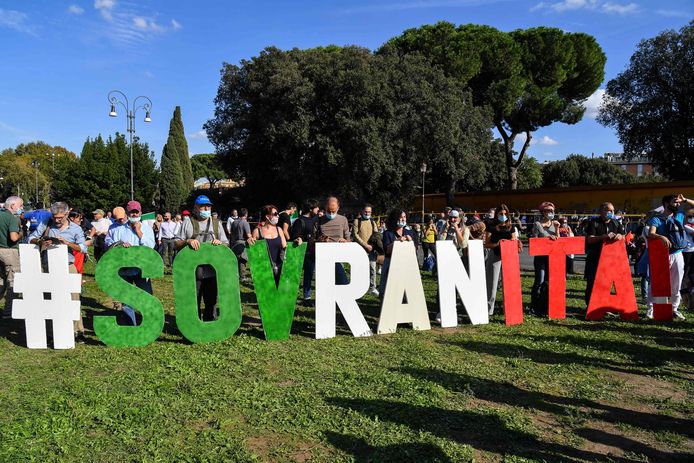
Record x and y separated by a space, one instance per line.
672 208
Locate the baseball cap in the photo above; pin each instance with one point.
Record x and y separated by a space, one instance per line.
98 211
453 213
133 206
118 213
186 212
203 200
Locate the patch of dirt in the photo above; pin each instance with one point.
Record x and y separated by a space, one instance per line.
646 386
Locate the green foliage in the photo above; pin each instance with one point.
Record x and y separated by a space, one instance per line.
650 104
171 191
528 78
99 178
209 166
346 121
177 131
530 174
578 170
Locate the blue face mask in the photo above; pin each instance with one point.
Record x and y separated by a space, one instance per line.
501 218
205 214
19 211
366 216
331 216
401 224
550 215
610 215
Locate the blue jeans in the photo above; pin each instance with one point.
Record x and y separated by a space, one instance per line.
540 264
309 270
142 283
340 274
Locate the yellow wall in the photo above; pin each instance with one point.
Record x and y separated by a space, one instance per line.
633 198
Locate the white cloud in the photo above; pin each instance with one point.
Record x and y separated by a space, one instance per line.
13 19
75 9
593 103
590 5
544 140
105 8
620 8
547 140
675 13
176 25
199 135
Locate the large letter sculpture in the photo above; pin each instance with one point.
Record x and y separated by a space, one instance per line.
659 270
404 280
510 273
557 250
151 265
32 282
453 277
329 294
613 268
228 295
276 303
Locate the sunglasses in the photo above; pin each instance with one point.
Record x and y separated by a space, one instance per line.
275 213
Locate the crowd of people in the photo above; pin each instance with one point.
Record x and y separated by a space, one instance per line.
672 223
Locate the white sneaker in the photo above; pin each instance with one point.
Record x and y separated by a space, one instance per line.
649 314
437 319
678 315
374 292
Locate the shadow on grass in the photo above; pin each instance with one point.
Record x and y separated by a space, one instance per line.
366 453
481 430
508 394
643 359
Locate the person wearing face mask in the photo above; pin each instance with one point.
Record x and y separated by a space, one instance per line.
59 230
396 230
603 228
128 231
201 227
565 231
269 231
668 226
546 227
503 230
166 239
10 236
363 230
333 228
302 231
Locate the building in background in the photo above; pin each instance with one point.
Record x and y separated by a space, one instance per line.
638 166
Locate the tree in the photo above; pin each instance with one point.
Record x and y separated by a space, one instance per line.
578 170
651 103
176 129
209 166
346 121
171 191
528 78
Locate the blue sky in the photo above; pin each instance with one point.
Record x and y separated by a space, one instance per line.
60 59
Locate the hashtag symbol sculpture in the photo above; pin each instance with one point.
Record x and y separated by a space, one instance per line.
34 309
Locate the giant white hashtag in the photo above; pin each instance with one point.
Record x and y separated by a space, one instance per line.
32 282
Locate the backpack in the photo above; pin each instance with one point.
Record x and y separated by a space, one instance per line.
674 232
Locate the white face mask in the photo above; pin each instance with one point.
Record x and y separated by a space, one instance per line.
401 224
134 219
274 221
690 220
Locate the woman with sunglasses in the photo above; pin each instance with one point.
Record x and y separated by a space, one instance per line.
497 232
545 227
269 231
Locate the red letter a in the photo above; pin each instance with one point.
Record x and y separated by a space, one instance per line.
613 268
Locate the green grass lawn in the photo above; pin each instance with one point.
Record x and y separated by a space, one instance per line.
566 390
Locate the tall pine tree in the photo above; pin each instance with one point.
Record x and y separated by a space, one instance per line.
171 191
176 129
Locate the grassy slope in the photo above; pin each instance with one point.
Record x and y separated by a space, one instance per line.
546 390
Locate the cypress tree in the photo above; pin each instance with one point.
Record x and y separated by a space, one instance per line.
176 129
171 191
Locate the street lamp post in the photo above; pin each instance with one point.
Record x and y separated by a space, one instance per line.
36 175
423 170
130 119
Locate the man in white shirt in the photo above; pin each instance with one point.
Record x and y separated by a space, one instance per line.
98 234
234 216
166 239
